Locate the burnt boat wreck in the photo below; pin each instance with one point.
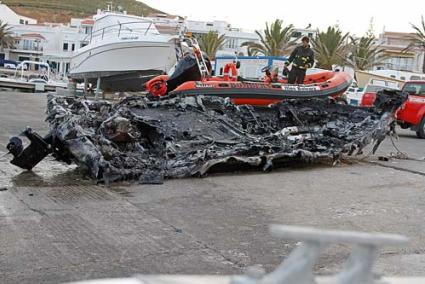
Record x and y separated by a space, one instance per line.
148 141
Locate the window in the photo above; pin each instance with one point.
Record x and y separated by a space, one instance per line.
83 44
231 43
26 22
414 77
374 88
402 78
23 58
73 47
21 21
65 46
401 63
54 65
26 44
417 89
88 30
296 34
310 35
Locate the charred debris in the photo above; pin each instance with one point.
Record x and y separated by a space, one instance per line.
148 141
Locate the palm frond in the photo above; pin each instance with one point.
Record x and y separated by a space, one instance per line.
364 54
7 39
211 42
331 47
274 40
417 39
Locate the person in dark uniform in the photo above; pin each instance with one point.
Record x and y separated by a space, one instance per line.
302 58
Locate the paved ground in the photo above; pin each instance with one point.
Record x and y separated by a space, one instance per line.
56 226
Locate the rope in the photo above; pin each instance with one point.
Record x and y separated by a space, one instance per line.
2 157
400 155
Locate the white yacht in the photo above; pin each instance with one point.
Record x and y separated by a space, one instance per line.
123 52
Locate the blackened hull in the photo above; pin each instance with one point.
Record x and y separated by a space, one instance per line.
125 82
267 94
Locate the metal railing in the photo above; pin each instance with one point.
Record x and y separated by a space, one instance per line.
32 48
298 267
120 29
398 66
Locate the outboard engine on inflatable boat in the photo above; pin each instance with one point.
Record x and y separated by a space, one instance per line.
187 69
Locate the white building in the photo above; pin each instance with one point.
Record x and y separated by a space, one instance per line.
234 36
167 24
394 45
300 33
51 43
9 16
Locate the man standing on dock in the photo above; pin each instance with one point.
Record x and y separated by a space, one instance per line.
302 58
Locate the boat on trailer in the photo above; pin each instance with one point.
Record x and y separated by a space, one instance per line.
124 52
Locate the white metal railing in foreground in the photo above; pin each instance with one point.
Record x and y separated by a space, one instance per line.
298 266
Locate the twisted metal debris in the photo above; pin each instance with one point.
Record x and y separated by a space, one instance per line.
144 140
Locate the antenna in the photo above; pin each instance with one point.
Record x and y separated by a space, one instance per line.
110 6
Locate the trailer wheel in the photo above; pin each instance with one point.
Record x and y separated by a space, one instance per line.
421 129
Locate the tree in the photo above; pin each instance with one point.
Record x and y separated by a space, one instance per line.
364 54
417 39
211 42
6 36
330 47
275 40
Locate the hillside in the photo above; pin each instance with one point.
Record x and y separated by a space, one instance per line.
61 11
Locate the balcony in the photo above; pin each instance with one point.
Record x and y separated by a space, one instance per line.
27 49
398 67
33 48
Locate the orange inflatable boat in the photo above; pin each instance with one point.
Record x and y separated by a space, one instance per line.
273 89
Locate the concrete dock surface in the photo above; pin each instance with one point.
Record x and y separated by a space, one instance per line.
56 225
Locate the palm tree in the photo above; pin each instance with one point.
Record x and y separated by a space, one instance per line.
364 54
330 47
417 39
275 40
6 36
211 42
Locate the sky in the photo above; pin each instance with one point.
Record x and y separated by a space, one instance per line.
352 16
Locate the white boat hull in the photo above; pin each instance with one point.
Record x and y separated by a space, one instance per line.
17 84
122 57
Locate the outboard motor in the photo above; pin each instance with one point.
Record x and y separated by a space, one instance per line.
187 69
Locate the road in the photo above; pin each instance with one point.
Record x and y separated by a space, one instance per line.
56 225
